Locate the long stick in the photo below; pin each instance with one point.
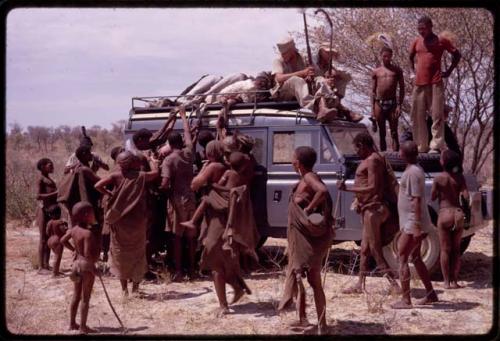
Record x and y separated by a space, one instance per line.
335 211
309 53
110 304
331 36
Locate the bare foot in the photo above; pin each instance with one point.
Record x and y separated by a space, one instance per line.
188 224
316 330
353 290
428 299
124 295
86 330
74 326
455 285
303 323
394 289
447 285
43 271
238 294
401 305
222 311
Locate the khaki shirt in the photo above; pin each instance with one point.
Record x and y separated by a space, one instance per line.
280 66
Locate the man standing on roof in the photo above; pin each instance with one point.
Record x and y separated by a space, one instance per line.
428 91
292 76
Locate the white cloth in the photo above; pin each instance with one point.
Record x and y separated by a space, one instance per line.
412 185
73 160
245 89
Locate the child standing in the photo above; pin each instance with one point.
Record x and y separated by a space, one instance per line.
56 228
87 246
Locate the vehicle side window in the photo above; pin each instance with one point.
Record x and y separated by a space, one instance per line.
285 142
326 155
258 150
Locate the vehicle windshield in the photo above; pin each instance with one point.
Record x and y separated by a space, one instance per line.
343 137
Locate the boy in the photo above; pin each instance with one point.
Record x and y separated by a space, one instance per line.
386 79
56 228
307 243
87 246
415 223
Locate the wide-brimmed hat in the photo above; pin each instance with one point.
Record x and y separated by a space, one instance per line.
286 44
325 45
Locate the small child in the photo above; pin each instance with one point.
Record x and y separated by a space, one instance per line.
448 187
56 228
230 179
87 245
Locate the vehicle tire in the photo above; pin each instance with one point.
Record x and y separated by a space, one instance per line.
428 162
430 250
464 244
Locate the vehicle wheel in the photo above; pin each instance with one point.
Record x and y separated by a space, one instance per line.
464 244
430 250
430 253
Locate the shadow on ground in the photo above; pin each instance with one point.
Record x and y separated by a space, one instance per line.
112 330
259 309
172 295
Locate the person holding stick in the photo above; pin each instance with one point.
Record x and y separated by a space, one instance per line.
87 246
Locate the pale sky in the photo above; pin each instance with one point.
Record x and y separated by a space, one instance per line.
83 66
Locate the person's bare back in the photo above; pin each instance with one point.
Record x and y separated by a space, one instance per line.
370 169
448 189
86 243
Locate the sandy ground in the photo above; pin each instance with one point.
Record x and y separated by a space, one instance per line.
38 304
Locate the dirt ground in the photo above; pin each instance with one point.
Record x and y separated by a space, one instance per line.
38 304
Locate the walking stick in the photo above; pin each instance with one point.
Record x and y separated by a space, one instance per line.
110 304
309 54
331 36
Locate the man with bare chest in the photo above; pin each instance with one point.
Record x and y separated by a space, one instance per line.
386 79
369 190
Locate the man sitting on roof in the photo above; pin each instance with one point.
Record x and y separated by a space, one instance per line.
335 83
292 77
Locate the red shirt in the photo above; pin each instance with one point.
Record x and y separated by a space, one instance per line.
428 69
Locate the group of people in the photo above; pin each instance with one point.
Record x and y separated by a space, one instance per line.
152 191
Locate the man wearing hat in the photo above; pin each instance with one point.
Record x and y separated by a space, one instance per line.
291 75
335 84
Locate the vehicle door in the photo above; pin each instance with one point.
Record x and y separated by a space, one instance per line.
281 175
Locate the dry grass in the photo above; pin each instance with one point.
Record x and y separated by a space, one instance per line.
39 304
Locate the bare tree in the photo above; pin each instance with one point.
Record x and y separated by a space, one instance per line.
469 90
